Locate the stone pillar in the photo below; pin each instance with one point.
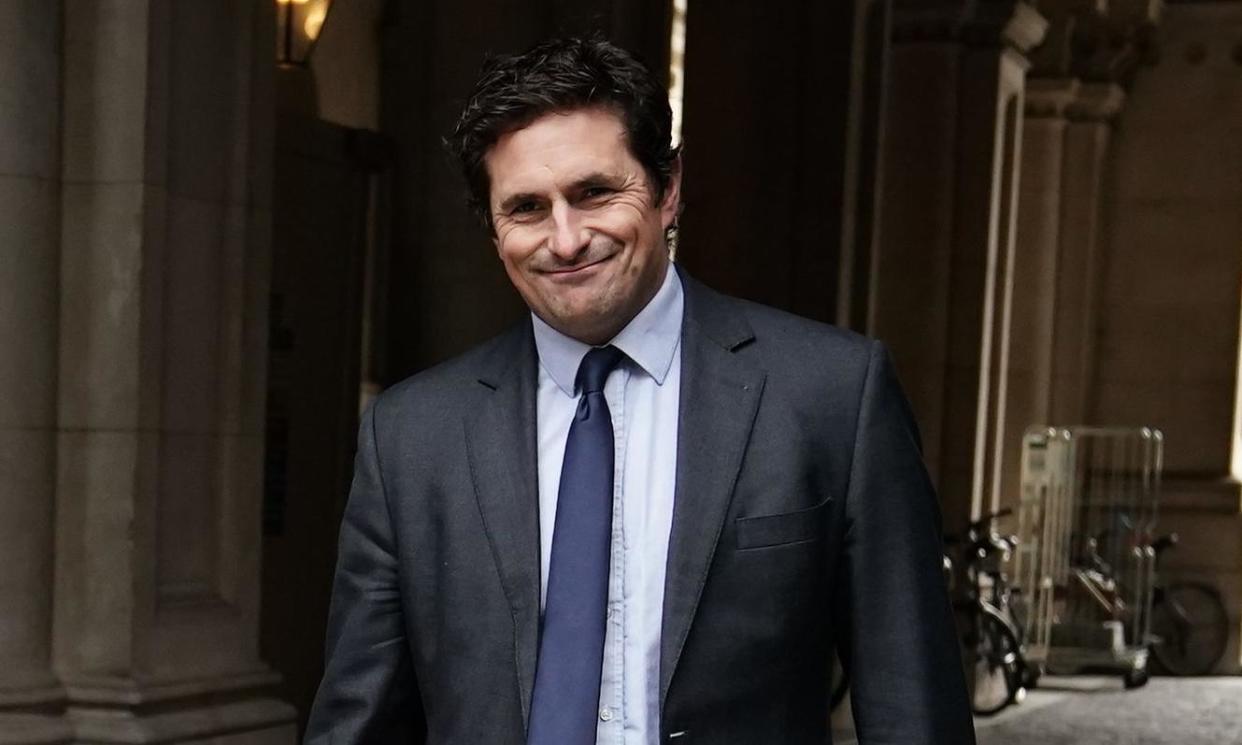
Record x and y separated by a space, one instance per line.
1075 318
1035 271
1056 266
943 278
789 224
1074 98
165 234
30 695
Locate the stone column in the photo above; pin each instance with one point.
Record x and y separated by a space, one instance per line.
1087 137
809 60
942 282
1035 271
165 239
30 696
1057 264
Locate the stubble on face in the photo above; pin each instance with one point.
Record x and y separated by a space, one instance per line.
577 224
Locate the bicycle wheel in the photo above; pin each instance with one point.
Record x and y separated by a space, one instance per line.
998 669
1191 629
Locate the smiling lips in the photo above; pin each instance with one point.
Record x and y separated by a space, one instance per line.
577 270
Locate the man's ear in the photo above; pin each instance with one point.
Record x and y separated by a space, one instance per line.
670 205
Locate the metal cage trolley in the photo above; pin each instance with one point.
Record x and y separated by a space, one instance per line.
1044 525
1085 566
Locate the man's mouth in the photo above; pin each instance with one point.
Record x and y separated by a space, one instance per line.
570 271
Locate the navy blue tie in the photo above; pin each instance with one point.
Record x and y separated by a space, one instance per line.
571 649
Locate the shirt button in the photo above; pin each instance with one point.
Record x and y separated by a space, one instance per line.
605 714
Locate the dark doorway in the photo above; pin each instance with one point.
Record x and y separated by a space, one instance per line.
324 249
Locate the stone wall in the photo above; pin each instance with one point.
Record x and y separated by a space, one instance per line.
1172 285
30 203
135 191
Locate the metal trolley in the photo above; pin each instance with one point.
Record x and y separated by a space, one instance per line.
1084 566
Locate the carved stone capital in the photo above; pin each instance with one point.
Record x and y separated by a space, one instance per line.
1096 40
1110 47
1002 23
1072 99
1048 98
1054 58
1066 18
1096 102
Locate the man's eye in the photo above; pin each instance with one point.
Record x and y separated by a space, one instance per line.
596 191
524 208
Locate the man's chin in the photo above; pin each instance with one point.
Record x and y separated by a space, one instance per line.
591 325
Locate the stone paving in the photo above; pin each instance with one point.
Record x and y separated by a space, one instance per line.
1099 711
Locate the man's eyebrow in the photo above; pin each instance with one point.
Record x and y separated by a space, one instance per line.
514 200
595 178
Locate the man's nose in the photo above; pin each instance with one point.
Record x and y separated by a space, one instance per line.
569 237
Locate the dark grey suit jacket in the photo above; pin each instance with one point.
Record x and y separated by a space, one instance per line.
803 516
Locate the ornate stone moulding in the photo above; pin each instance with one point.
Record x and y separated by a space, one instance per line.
1097 41
1008 23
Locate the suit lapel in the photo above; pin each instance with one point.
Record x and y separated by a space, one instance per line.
501 446
719 397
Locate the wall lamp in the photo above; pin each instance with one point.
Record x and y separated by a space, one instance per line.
298 23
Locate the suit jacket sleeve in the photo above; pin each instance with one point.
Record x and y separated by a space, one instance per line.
368 693
900 643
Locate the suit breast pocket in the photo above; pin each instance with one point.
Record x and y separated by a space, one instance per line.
799 526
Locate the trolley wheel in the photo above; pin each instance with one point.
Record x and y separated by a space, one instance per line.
999 669
1136 677
1191 628
1030 676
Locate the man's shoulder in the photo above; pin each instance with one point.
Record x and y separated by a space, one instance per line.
779 325
446 387
782 336
808 352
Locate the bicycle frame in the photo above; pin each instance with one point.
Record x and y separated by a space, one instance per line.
986 599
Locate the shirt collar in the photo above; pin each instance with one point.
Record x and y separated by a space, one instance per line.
649 339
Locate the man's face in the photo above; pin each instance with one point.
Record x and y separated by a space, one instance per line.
577 223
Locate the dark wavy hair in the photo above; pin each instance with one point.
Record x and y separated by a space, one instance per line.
563 75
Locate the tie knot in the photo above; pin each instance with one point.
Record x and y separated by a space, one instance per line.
595 368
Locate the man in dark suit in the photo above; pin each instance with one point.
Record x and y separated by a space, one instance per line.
649 512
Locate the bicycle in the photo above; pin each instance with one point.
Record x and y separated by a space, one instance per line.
1001 672
992 634
1189 623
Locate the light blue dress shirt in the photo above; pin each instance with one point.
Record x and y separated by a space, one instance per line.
643 397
